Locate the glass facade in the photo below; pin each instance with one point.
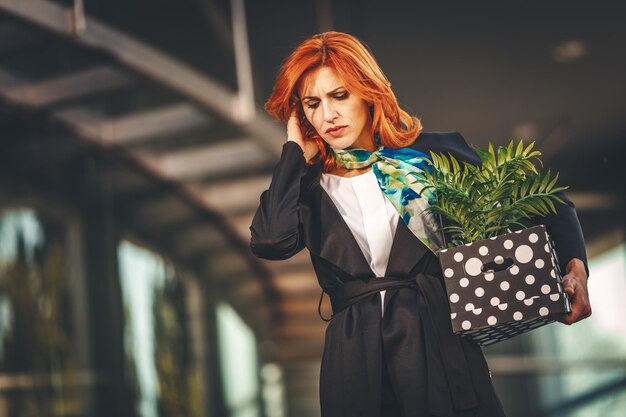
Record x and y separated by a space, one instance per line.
160 320
40 367
571 371
163 375
165 321
239 363
592 381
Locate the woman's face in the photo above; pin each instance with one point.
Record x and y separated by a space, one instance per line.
341 119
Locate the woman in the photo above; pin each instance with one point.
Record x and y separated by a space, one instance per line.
389 348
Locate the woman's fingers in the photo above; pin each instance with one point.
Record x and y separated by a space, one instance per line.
294 132
576 288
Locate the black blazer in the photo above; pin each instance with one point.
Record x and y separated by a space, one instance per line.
433 371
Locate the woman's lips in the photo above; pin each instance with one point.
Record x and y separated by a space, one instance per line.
336 131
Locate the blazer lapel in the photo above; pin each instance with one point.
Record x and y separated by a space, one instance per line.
327 234
329 237
406 251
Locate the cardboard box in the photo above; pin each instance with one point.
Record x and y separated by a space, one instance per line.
503 286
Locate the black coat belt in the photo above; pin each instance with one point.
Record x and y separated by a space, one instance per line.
449 376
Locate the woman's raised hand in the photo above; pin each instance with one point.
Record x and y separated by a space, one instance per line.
294 133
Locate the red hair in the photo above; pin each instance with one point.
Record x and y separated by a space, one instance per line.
360 72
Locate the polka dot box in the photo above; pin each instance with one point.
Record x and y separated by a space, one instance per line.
503 286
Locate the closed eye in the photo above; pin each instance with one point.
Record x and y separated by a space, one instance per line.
312 104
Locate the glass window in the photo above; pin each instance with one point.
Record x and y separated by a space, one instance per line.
164 373
592 352
571 371
40 371
239 365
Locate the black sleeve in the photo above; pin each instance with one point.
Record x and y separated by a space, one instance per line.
566 233
276 227
563 227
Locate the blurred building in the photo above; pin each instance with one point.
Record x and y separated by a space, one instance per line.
133 150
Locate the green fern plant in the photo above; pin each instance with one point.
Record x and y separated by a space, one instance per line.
482 201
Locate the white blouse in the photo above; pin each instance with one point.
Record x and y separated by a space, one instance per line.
365 208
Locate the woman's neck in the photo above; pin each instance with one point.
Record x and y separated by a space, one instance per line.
343 172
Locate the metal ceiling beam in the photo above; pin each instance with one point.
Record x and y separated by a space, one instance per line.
151 63
304 282
309 349
135 127
305 307
237 196
66 87
210 160
300 332
122 130
242 60
298 262
241 224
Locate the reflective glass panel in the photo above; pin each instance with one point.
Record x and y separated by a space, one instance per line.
164 374
40 372
239 365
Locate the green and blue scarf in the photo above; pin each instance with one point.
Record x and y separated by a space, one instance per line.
392 168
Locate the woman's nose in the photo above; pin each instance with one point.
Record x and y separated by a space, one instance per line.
330 112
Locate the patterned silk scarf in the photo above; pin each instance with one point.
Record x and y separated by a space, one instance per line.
392 168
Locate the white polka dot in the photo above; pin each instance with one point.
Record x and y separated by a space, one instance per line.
466 325
479 292
453 316
448 272
483 250
458 256
520 295
473 266
532 238
469 307
546 247
530 280
539 263
518 231
518 315
493 237
514 270
499 259
545 289
477 311
555 297
529 301
464 282
504 285
553 274
543 311
454 298
508 244
468 244
495 301
443 250
491 320
523 254
503 306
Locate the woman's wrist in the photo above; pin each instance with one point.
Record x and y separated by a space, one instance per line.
577 267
